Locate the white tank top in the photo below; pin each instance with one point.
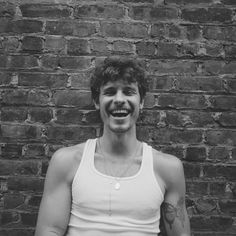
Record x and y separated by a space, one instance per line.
134 207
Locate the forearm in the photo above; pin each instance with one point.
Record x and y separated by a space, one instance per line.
49 231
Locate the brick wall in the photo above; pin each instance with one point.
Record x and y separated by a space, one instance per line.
47 50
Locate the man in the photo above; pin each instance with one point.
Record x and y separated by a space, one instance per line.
115 184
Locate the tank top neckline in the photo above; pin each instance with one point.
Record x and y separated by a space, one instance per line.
114 177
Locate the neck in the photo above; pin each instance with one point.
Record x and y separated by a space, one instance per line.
119 145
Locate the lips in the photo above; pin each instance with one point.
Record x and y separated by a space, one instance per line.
120 112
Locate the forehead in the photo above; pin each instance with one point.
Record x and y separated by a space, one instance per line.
119 84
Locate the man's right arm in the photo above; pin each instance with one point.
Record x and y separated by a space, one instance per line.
55 206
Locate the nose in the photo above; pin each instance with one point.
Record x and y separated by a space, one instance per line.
119 98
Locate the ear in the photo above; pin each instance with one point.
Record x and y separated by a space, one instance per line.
96 104
141 105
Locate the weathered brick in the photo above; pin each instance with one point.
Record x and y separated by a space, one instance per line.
80 80
33 44
73 98
45 10
33 151
196 188
191 170
42 115
11 150
193 32
231 85
9 44
173 67
205 206
175 31
17 232
158 30
196 154
20 183
7 9
15 97
99 46
224 137
189 119
123 47
5 78
183 101
213 67
21 26
13 114
74 62
230 51
207 15
7 217
203 83
43 80
29 219
153 13
217 154
146 48
217 188
223 102
220 171
149 117
70 133
227 119
228 207
35 200
39 97
228 2
25 62
167 50
184 2
128 30
212 223
12 201
55 44
160 83
99 11
78 47
19 131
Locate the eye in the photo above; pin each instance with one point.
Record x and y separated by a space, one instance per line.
109 91
129 91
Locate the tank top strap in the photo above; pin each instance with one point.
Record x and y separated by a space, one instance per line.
147 158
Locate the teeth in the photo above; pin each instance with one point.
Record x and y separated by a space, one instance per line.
119 111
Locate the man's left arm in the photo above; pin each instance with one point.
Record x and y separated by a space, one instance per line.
174 211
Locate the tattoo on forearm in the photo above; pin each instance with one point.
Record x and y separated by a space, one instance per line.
170 212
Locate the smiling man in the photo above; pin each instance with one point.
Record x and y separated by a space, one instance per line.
114 184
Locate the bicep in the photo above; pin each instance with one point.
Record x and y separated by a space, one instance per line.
55 204
174 211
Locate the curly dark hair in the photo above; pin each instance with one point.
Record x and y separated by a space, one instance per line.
118 68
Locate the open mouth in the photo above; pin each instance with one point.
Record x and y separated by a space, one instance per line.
120 113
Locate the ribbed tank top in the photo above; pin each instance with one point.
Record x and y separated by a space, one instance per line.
135 206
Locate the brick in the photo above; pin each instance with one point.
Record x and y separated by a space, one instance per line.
13 114
19 131
189 50
173 67
183 101
99 46
229 67
189 119
228 207
228 2
149 117
7 9
220 32
163 82
10 44
78 47
226 172
80 80
70 133
153 13
21 26
158 30
39 97
84 29
167 50
174 31
191 170
18 97
206 206
230 51
35 201
127 30
196 154
42 115
29 219
17 232
213 67
146 48
123 47
99 11
231 84
203 83
20 183
217 154
45 10
213 223
43 80
55 44
74 62
213 50
3 61
33 151
32 44
25 62
11 150
217 189
196 188
78 98
193 32
59 27
11 201
218 137
204 15
8 217
227 119
223 102
185 2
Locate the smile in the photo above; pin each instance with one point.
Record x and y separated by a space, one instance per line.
120 113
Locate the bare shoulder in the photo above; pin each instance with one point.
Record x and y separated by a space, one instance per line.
66 160
168 167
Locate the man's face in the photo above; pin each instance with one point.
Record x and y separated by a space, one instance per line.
119 104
